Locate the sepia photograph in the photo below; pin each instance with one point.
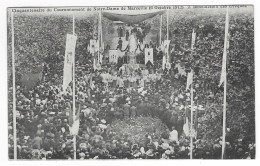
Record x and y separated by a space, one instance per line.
131 82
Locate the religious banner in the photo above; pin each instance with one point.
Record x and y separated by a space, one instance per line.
113 55
148 55
68 60
93 46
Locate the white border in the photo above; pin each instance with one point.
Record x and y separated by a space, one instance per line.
44 3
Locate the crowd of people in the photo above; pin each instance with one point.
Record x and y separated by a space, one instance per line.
43 111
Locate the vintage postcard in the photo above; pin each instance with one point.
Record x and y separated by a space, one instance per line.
131 82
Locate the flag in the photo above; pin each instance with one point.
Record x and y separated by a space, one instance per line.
189 79
223 79
193 38
148 55
74 123
224 60
196 122
68 60
113 56
88 48
165 49
186 128
91 84
95 60
166 45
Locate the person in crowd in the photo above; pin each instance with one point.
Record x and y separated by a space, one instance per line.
120 44
127 35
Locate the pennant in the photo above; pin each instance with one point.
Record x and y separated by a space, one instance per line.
68 60
95 60
186 128
193 38
165 49
74 124
224 59
148 55
189 79
91 84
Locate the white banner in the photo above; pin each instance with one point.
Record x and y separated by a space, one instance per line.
113 55
68 60
148 55
165 50
193 38
93 46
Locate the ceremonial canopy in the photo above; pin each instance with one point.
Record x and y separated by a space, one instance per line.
131 19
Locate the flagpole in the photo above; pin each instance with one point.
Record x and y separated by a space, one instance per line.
74 99
160 32
101 35
225 88
14 90
167 24
224 119
191 116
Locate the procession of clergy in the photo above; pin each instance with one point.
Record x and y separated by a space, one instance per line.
130 74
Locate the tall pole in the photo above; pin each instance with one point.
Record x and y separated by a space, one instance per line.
74 99
14 90
168 45
225 87
99 35
167 24
100 20
191 116
160 31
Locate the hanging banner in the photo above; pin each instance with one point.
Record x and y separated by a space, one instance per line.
165 49
93 46
68 60
113 55
148 55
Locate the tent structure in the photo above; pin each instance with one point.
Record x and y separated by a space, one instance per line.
131 19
